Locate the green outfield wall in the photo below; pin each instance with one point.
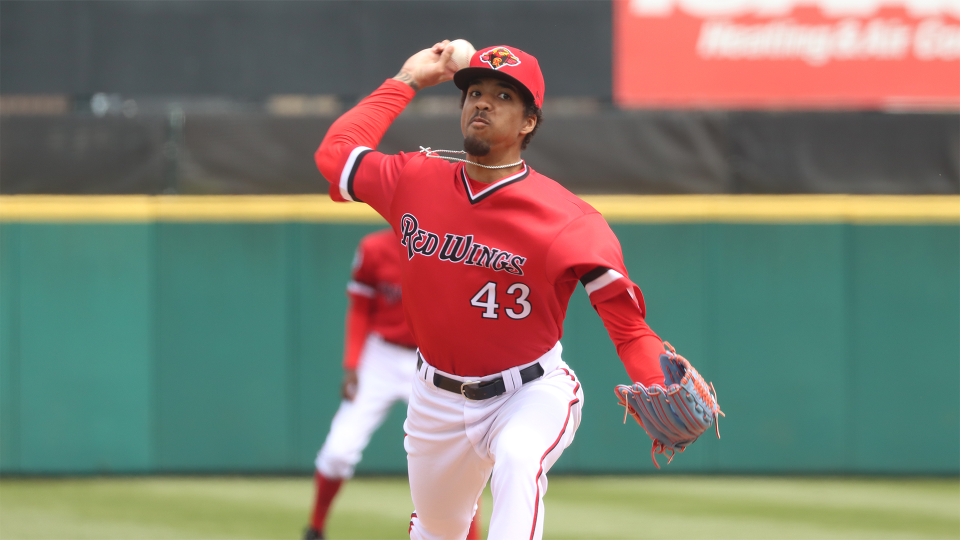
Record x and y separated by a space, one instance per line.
142 345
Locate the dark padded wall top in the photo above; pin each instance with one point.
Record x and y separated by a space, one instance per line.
606 152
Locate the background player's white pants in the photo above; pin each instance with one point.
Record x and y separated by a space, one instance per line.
384 376
453 444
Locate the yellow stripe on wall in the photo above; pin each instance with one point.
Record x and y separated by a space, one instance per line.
213 208
865 209
779 208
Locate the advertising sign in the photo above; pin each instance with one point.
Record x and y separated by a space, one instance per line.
787 53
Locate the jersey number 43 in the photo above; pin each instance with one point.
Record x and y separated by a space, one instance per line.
486 299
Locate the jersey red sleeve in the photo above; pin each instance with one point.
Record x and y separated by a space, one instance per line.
347 157
361 291
638 346
587 250
359 313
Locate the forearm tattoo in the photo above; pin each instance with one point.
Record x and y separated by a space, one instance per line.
405 77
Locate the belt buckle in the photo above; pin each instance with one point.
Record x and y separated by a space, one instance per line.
465 384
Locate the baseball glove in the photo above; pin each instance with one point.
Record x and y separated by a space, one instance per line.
674 416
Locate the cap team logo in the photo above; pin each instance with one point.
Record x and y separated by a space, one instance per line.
499 57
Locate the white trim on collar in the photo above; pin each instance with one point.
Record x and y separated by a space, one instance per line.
491 187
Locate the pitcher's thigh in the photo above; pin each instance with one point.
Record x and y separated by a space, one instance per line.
530 435
446 473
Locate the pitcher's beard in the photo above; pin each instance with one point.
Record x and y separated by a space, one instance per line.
476 147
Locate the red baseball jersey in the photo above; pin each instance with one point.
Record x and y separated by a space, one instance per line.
376 275
486 273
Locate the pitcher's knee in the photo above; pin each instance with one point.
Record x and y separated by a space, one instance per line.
333 465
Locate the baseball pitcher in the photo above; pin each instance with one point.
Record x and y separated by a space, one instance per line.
491 253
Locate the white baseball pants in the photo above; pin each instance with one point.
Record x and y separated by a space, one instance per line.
385 375
454 444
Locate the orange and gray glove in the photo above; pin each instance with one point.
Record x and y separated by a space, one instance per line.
674 416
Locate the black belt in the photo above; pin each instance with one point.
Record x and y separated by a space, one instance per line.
481 390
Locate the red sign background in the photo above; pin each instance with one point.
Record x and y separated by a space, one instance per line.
805 58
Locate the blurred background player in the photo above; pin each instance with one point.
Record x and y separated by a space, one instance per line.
379 361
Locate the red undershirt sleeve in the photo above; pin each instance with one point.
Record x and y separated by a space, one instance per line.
637 345
359 312
347 157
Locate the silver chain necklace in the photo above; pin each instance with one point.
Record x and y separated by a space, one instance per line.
429 152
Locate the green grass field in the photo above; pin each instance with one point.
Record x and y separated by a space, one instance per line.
577 507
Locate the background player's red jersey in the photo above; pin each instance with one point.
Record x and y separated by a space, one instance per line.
375 298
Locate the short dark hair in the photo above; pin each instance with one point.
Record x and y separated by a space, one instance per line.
530 109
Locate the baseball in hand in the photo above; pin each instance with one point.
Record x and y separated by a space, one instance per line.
463 51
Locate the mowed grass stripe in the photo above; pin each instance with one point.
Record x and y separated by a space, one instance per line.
149 508
765 508
577 507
